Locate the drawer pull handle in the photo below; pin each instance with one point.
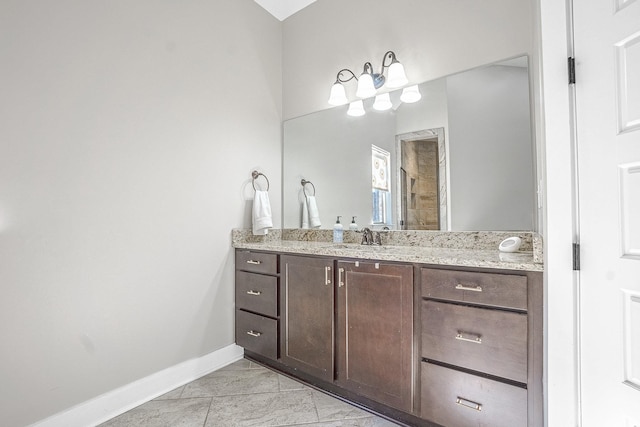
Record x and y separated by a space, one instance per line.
462 336
469 403
340 281
254 262
253 333
327 279
468 288
254 292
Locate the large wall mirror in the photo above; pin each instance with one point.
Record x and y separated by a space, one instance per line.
460 159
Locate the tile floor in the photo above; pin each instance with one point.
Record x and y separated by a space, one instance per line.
246 394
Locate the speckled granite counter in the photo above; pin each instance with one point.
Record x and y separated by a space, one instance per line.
469 249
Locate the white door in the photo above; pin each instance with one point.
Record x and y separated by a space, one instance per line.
607 52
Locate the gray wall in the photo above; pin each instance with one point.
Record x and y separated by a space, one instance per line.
431 38
128 131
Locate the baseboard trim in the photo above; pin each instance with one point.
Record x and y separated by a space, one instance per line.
118 401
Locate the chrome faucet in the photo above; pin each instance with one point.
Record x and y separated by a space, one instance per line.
370 237
377 240
367 237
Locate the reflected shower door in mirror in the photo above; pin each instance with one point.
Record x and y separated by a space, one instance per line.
422 175
485 168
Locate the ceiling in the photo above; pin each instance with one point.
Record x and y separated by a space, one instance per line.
282 9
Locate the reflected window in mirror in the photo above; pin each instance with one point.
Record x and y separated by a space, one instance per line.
380 185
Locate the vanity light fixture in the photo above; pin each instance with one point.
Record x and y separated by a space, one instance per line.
356 108
410 94
382 102
369 81
338 95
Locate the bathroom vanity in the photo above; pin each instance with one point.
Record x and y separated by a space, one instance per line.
424 335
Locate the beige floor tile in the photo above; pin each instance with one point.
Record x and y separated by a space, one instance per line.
370 421
288 384
240 365
163 413
330 409
173 394
246 394
262 409
225 383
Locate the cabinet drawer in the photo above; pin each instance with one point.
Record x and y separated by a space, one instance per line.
454 398
498 290
257 333
256 262
485 340
258 293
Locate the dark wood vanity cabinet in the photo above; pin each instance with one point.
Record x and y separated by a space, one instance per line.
257 310
307 301
424 345
481 339
374 336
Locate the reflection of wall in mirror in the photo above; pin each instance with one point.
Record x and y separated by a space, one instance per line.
492 178
333 151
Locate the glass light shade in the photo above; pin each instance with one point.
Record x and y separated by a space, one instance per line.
365 86
338 95
410 94
356 108
396 77
382 102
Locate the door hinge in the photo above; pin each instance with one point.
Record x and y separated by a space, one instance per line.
576 256
572 70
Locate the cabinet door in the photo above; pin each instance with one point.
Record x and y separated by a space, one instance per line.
307 315
375 331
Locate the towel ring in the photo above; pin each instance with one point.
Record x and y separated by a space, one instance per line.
255 175
304 182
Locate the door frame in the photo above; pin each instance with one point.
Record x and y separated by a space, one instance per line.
554 111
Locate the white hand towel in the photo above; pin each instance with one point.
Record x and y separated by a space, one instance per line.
262 221
305 215
314 215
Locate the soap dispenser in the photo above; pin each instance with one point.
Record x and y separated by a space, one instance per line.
337 231
353 226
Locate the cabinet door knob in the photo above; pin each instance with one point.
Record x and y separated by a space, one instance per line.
340 280
254 292
254 333
254 262
469 403
468 288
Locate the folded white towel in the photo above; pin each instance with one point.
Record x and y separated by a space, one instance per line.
314 215
305 215
262 221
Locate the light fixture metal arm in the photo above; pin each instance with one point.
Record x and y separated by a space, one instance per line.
368 68
340 79
391 56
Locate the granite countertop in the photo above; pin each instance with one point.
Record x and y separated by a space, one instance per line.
483 255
